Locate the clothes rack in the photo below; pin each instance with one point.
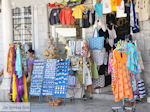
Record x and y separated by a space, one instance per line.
124 108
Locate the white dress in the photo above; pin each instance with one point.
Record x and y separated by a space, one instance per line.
121 10
106 6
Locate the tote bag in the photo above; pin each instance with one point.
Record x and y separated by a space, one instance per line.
96 42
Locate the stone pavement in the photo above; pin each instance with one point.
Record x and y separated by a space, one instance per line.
85 106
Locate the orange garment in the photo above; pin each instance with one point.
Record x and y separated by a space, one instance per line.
10 60
115 3
66 17
121 83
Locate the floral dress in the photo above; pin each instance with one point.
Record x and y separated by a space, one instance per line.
121 83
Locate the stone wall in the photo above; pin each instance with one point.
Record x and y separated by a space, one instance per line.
1 43
143 41
40 30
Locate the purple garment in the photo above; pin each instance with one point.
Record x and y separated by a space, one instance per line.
14 59
11 84
21 88
17 87
29 63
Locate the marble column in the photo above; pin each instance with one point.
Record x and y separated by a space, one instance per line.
7 39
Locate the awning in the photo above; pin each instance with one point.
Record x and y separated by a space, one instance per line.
26 3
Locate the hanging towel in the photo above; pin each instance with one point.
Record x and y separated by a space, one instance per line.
14 92
24 61
18 62
10 60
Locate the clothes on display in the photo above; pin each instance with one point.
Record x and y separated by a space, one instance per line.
54 16
99 9
77 13
17 68
66 17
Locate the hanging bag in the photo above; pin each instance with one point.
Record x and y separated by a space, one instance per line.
96 42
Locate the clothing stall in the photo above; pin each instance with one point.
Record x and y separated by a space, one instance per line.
110 56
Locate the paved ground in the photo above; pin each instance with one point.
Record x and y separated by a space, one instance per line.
85 106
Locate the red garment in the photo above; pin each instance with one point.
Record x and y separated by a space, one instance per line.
66 17
54 5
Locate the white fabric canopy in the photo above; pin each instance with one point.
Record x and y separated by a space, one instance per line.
26 3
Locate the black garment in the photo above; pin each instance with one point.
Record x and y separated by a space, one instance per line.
103 69
85 19
127 6
54 16
123 27
110 20
106 36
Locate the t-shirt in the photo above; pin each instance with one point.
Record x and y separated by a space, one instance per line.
77 13
99 9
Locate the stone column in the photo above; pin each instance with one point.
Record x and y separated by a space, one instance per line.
7 39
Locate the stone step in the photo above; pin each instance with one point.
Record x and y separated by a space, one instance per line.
104 96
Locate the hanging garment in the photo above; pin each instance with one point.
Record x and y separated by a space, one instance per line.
110 62
54 5
142 7
58 2
54 16
77 13
21 88
127 6
121 10
85 20
121 83
79 45
24 61
99 9
17 88
10 60
101 23
123 27
71 48
110 20
14 59
133 58
18 64
112 36
14 89
106 42
115 3
85 49
106 6
140 61
87 80
141 88
93 69
66 17
134 20
25 89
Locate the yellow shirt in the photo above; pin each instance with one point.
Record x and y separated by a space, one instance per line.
77 13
